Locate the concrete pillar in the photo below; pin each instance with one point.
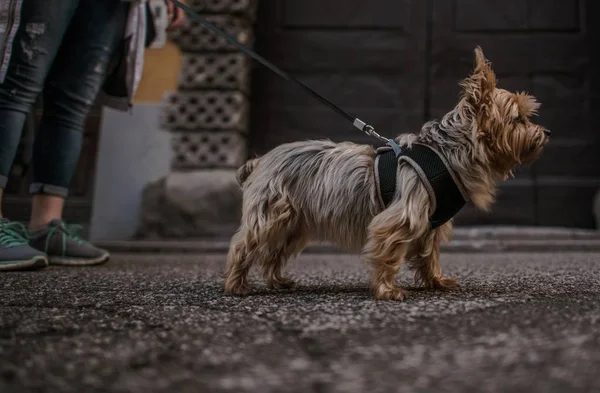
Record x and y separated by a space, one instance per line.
208 118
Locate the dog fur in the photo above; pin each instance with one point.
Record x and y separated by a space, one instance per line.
321 190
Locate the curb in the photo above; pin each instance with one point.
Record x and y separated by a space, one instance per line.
457 246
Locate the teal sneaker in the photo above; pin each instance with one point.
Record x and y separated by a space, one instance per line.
64 247
15 252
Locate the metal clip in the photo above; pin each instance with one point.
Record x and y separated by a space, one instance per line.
392 143
367 129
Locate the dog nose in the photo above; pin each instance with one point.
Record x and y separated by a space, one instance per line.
547 132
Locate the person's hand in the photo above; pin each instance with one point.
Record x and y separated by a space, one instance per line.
176 15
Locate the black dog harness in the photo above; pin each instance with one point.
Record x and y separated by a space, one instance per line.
442 185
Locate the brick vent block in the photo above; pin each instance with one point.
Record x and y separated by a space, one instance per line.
208 150
244 7
194 37
208 110
215 71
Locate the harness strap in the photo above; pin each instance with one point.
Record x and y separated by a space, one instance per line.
446 194
385 174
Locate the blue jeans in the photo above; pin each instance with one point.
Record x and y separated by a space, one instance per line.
62 49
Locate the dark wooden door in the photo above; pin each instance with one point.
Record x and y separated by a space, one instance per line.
543 47
397 63
368 57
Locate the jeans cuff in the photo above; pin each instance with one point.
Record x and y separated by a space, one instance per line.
3 181
49 189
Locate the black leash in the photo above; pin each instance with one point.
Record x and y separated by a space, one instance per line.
356 122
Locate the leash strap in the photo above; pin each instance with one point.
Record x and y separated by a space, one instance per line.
356 122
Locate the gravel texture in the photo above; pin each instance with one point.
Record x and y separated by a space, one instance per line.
521 322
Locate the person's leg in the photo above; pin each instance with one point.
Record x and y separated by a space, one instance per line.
41 30
42 26
73 84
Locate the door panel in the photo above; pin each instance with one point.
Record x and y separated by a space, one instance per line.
366 57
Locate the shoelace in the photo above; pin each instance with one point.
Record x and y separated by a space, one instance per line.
11 234
66 231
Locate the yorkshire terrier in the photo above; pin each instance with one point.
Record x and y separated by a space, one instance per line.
321 190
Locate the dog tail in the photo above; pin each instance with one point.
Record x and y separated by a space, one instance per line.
246 170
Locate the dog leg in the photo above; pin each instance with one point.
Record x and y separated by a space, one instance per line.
239 261
389 236
265 229
272 269
284 238
274 276
387 264
424 257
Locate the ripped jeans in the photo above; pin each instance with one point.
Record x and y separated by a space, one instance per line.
62 50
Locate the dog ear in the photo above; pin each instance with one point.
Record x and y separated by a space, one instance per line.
478 87
528 104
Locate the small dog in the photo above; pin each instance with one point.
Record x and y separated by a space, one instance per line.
321 190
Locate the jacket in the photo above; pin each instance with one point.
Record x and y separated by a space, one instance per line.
125 71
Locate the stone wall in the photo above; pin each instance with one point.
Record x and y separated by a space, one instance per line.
208 118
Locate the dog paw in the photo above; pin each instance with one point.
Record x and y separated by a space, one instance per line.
285 283
393 293
445 283
239 290
282 283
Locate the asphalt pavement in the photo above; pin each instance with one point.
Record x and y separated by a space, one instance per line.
521 322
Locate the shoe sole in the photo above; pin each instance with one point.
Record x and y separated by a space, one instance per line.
34 263
64 261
